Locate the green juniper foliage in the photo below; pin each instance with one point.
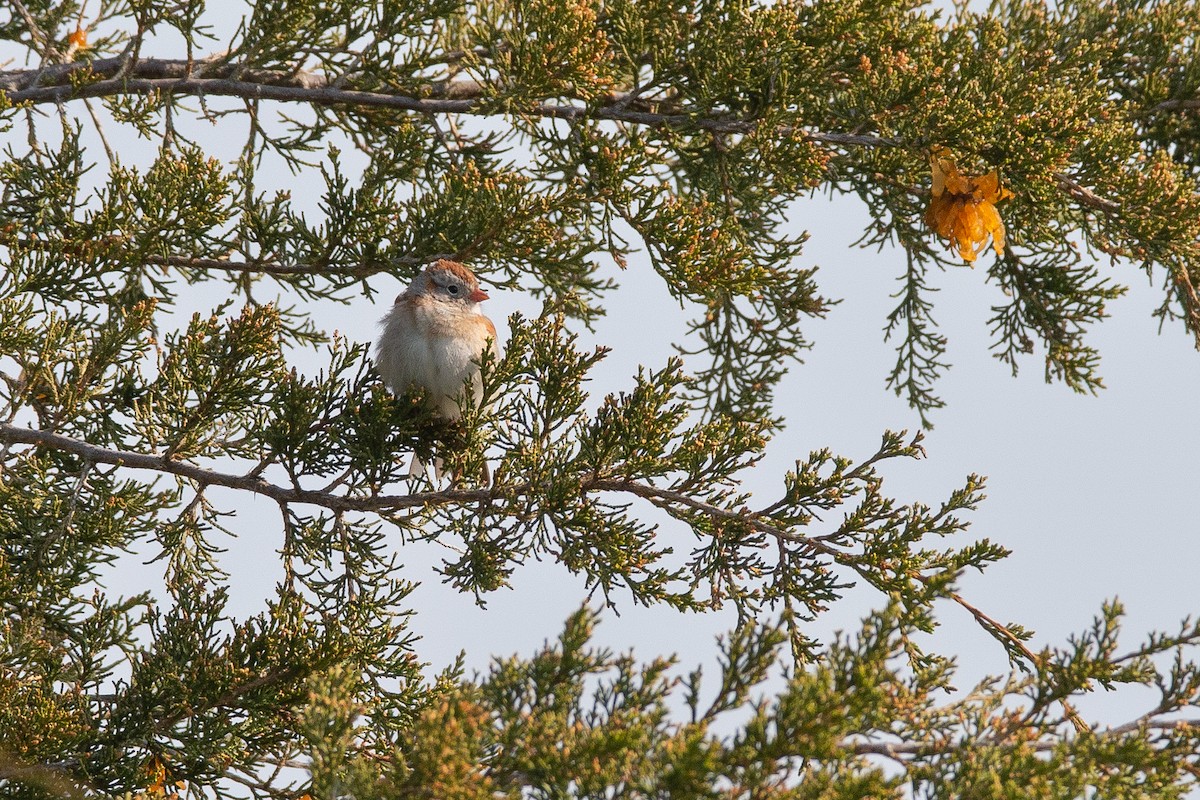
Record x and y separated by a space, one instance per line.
543 141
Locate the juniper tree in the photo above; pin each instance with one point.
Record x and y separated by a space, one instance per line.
542 142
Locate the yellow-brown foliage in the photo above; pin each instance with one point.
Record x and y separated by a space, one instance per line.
963 209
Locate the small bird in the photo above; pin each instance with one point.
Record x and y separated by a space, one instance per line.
434 336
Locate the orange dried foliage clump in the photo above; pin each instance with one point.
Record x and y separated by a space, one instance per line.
79 38
963 209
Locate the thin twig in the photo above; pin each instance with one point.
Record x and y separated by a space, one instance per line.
658 495
73 504
1001 631
108 151
1086 196
39 36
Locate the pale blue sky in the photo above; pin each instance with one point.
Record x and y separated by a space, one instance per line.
1095 495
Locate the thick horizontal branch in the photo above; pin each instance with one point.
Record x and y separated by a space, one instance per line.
214 77
15 434
283 494
113 77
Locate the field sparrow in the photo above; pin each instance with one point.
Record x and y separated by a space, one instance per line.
434 337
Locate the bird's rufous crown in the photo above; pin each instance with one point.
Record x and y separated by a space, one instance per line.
456 269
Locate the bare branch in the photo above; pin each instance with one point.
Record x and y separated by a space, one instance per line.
14 434
216 78
1086 196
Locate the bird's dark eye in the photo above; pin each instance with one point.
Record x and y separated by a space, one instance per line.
452 289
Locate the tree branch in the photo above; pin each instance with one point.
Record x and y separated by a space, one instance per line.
14 434
49 778
43 42
266 267
291 270
1086 196
1001 632
663 497
103 78
899 751
111 77
1179 104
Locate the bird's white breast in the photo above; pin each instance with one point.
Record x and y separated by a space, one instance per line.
426 345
